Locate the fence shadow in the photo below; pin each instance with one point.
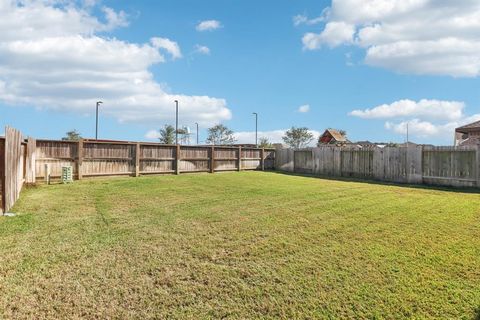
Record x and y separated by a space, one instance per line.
467 190
477 314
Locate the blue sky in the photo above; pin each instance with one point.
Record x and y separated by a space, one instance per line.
259 60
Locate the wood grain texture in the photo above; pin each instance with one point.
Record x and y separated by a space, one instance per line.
443 166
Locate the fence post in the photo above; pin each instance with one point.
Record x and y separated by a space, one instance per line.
79 159
31 159
239 158
177 160
262 161
212 160
137 160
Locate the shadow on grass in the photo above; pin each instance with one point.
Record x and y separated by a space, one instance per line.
376 182
477 314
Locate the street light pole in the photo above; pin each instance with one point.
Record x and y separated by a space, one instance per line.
256 129
96 120
197 132
176 121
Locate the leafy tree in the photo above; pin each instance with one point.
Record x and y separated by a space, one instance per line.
297 137
167 134
220 134
264 143
73 135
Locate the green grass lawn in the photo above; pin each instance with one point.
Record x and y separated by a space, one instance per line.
240 245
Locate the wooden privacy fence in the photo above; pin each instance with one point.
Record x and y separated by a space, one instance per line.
16 166
108 158
443 166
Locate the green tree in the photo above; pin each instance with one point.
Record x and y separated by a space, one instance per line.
264 143
220 134
167 134
73 135
297 137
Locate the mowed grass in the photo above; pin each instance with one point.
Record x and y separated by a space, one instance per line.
240 245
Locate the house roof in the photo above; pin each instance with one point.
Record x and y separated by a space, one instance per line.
469 127
337 135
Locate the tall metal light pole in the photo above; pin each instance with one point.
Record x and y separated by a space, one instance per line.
176 121
197 131
96 120
256 129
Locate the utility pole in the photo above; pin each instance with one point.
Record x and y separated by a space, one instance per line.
407 135
96 120
256 128
196 123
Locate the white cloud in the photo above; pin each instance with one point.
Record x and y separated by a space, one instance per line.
202 49
208 25
152 135
303 19
430 109
407 36
304 109
168 45
418 128
425 118
274 136
52 56
334 34
114 19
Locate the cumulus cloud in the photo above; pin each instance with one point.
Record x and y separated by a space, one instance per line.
424 118
334 34
407 36
208 25
152 135
53 56
433 109
202 49
168 45
304 109
274 136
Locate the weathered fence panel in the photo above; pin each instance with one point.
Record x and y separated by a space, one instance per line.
14 167
446 166
456 166
57 154
357 163
284 160
97 158
2 174
30 161
303 161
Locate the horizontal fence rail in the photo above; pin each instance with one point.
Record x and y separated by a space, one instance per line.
91 158
442 166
